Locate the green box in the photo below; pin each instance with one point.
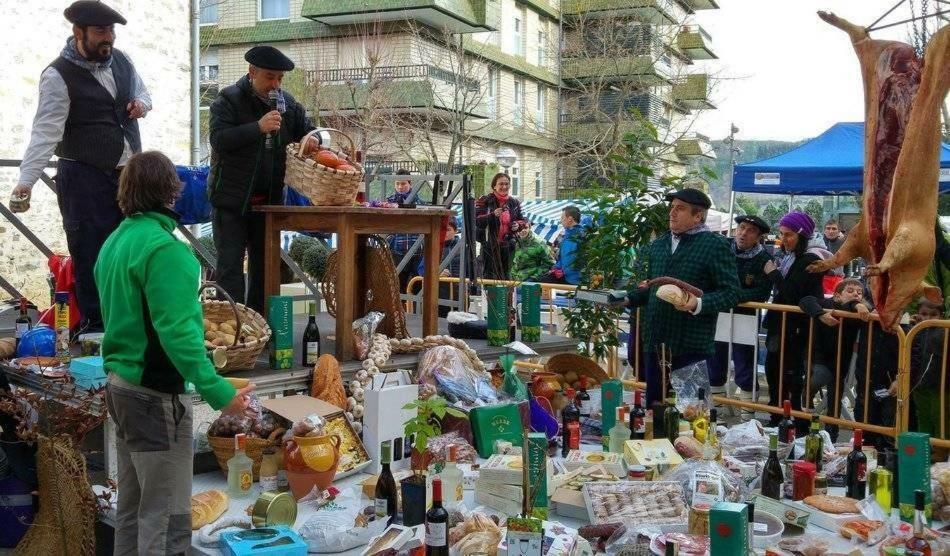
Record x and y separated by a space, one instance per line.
611 396
280 317
495 422
913 466
728 529
536 454
531 312
496 298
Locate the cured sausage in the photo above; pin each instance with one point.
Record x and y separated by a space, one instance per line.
594 532
902 95
664 280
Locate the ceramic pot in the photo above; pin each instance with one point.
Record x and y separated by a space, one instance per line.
311 461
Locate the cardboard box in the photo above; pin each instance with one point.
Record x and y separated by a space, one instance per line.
295 408
651 452
280 317
537 458
508 470
729 529
504 505
521 543
508 492
568 497
384 416
87 372
497 298
611 461
611 396
788 513
913 464
496 422
530 312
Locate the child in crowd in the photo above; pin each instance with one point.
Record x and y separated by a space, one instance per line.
447 290
927 368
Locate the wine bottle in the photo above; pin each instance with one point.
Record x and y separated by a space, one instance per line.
856 478
437 523
23 322
385 495
583 399
814 443
772 477
671 420
786 427
638 427
570 425
881 482
311 338
919 542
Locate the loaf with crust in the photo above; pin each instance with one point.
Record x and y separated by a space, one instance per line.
207 507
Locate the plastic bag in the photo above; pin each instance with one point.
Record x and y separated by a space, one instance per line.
686 382
708 481
629 538
334 528
542 421
745 434
511 384
438 446
476 533
363 330
453 375
311 425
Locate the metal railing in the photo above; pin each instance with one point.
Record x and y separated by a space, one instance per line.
390 73
696 29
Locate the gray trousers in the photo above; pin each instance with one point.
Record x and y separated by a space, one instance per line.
155 453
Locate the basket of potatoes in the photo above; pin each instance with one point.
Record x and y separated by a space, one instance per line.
570 367
232 329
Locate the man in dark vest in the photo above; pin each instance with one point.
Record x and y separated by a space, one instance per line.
90 100
249 137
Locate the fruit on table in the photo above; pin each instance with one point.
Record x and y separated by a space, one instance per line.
327 158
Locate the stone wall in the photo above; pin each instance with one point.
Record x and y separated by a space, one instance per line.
156 39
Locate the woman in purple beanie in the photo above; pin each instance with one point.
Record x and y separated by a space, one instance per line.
792 283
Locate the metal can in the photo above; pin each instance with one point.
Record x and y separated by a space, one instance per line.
274 508
699 519
636 472
821 484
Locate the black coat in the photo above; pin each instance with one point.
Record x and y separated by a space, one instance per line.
487 224
240 164
826 337
790 290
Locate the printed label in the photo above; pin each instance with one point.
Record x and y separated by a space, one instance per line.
21 329
458 492
707 487
312 352
247 479
862 472
760 527
790 435
269 482
639 425
382 507
282 479
573 436
435 534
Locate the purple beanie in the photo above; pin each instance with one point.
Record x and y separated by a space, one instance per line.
798 222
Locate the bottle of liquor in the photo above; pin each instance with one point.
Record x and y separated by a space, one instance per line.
638 425
311 338
451 477
671 419
620 432
437 523
881 482
814 443
648 425
701 423
240 470
23 322
711 450
772 477
583 399
857 478
918 542
570 425
384 497
268 471
786 427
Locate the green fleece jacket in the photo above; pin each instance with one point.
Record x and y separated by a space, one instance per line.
532 258
154 332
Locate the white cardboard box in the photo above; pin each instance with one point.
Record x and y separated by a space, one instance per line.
612 461
384 416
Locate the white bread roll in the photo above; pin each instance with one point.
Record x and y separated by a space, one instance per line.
671 294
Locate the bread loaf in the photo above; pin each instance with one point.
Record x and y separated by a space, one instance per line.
688 447
671 294
207 507
327 382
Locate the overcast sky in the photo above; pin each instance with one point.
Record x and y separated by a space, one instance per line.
787 74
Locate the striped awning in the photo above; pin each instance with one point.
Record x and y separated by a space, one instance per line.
545 216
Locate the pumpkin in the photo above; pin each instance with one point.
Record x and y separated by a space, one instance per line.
327 158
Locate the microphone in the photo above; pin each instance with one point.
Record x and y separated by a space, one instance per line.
272 97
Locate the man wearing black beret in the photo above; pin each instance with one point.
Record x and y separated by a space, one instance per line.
754 285
683 333
252 122
89 104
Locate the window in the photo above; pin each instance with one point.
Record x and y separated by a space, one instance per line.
209 12
518 106
208 67
537 185
516 39
542 47
273 9
492 76
539 108
515 181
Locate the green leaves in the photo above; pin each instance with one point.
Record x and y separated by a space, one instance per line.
425 424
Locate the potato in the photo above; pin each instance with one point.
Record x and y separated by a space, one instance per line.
209 345
210 335
220 342
249 339
211 327
571 377
232 323
207 323
227 329
228 339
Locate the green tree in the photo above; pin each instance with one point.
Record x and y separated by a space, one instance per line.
772 214
746 206
815 209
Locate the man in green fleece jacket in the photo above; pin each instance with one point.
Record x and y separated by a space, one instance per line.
153 343
532 257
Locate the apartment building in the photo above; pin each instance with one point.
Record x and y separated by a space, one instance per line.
410 80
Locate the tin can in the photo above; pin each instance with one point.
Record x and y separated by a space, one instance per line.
636 472
821 484
699 519
274 508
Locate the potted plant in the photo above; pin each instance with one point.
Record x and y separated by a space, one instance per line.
425 424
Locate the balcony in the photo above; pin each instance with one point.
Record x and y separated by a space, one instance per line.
648 64
694 145
612 117
700 4
692 92
410 88
695 43
656 12
456 16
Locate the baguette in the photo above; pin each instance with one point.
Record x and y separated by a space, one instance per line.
238 383
672 294
207 507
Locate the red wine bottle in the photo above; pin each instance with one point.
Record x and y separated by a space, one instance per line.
437 524
857 474
638 415
570 425
786 427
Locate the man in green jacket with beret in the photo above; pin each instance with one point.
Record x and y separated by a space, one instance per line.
699 257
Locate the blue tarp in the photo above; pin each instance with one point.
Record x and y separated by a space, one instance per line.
830 164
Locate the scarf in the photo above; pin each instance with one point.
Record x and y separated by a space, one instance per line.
502 199
71 53
785 263
504 225
698 228
748 253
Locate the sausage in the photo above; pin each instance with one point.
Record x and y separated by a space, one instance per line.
594 532
663 280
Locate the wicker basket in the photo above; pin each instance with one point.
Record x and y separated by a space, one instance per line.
240 355
583 366
323 186
223 448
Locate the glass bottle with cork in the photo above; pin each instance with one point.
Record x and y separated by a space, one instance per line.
814 444
451 476
857 467
583 399
671 418
786 427
268 471
919 541
772 477
23 322
437 522
700 424
881 483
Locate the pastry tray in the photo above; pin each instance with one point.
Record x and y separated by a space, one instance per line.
659 503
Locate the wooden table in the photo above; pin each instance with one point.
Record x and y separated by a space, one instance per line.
349 223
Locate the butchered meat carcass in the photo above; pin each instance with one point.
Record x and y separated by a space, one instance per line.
902 99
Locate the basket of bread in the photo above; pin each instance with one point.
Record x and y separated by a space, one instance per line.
235 335
324 175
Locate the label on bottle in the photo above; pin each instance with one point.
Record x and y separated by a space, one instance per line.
247 480
459 495
21 329
573 435
313 352
268 482
790 435
862 471
282 483
382 508
583 408
435 534
639 425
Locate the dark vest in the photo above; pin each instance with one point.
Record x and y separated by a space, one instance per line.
98 125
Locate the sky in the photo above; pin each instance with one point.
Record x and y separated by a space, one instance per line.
784 73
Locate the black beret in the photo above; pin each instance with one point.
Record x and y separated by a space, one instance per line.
691 196
92 12
756 221
268 57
